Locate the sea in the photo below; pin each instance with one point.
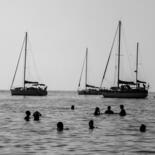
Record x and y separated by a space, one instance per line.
113 134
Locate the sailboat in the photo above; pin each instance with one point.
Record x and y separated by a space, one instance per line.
89 89
29 88
124 89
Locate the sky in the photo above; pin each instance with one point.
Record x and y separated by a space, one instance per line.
61 30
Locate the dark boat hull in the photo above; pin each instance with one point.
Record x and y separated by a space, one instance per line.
89 92
29 92
125 94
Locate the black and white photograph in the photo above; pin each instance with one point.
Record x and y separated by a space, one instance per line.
77 77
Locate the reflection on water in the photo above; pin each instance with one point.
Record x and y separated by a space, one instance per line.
113 135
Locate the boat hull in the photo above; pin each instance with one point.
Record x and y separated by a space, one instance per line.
125 94
29 92
89 92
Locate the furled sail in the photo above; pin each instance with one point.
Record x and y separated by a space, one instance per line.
126 82
91 86
31 82
141 81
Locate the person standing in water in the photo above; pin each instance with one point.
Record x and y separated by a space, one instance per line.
60 126
36 115
109 111
122 112
72 107
28 114
142 128
91 124
97 111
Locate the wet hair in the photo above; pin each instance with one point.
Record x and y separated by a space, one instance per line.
91 124
72 107
60 126
142 128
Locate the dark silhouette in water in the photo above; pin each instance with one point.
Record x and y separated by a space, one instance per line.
142 128
60 126
91 124
72 107
28 114
97 111
36 115
109 111
122 112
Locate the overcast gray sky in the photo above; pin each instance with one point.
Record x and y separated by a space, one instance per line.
60 30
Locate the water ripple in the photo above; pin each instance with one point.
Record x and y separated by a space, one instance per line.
113 135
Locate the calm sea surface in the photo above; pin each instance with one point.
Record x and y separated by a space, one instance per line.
113 135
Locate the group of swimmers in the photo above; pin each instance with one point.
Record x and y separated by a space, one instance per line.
36 115
60 126
109 111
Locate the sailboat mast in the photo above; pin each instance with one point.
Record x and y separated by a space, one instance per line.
86 68
119 47
25 58
137 63
109 57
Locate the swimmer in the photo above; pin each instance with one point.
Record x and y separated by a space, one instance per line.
97 111
109 111
142 128
122 112
36 115
28 114
72 107
91 124
60 127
